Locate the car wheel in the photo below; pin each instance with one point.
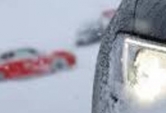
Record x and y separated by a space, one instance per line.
59 65
108 82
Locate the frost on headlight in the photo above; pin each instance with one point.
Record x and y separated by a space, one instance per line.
145 74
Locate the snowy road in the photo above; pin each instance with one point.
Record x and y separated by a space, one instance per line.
49 25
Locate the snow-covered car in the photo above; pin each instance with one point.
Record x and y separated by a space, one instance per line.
28 62
92 32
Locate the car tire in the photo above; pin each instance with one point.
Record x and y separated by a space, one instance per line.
108 80
59 65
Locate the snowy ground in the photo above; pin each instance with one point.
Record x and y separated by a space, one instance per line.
49 25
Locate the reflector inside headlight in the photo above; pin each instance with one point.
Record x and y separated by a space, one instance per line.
145 70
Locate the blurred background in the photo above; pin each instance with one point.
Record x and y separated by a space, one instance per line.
52 25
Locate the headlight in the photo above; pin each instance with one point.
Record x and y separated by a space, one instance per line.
144 66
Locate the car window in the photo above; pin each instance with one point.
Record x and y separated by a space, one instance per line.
19 54
24 53
7 56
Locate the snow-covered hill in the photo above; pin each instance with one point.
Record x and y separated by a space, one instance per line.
49 25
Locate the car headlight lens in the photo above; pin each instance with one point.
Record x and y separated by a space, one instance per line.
150 75
145 70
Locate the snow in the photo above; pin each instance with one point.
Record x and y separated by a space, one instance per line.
49 25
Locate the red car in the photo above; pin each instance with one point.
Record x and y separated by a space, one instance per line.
29 62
